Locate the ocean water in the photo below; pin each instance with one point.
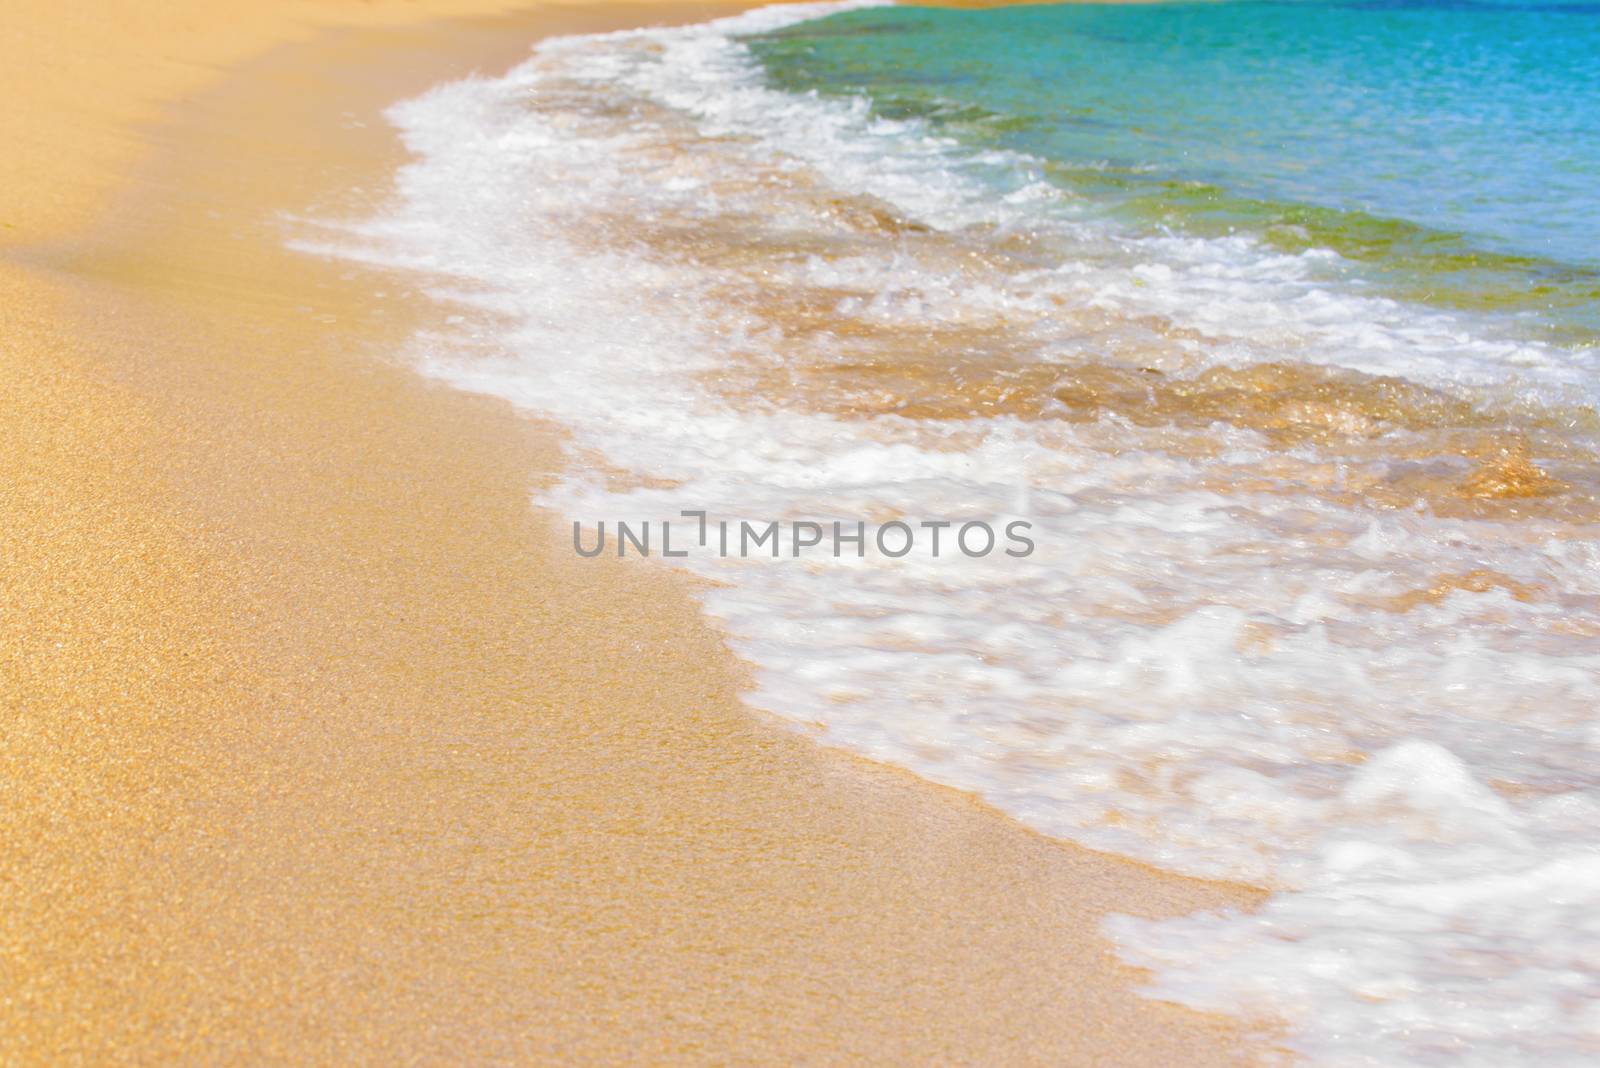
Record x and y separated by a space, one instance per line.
1276 322
1447 151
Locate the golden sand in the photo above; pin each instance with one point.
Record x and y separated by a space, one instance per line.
319 746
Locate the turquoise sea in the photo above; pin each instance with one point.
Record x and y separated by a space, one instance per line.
1449 150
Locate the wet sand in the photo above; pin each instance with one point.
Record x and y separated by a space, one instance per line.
320 745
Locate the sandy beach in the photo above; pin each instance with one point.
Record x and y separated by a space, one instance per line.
320 745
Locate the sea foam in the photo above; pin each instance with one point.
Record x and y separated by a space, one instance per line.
1201 666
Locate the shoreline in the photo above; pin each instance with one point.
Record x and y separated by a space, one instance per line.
324 749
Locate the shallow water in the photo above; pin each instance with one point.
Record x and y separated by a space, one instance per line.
1316 595
1447 151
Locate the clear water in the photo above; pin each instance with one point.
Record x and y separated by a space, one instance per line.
1275 321
1451 149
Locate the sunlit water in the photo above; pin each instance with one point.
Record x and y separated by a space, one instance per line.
1277 324
1448 151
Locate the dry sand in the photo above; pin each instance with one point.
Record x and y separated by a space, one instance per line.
318 745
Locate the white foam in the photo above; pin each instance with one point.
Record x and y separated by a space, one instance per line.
1196 678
